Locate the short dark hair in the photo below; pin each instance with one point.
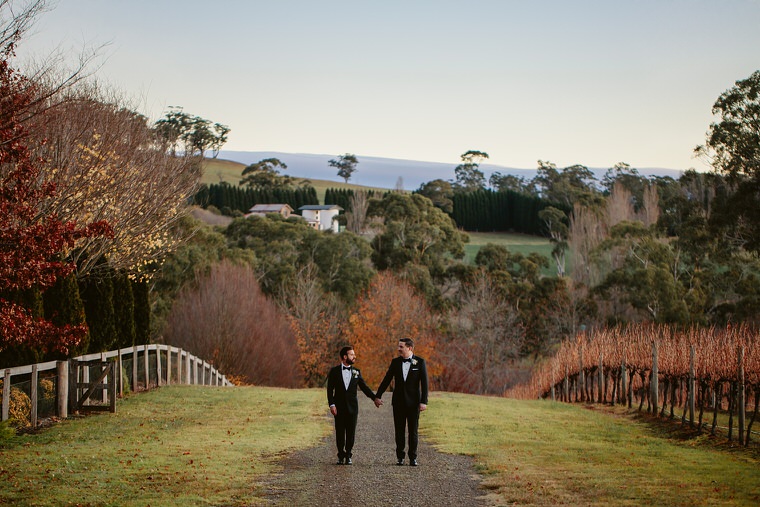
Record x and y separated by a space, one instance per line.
408 341
344 350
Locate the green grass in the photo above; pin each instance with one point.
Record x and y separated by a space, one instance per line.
516 243
178 445
544 453
184 445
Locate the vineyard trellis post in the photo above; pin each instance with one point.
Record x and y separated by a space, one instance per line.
692 353
581 377
622 384
653 383
601 380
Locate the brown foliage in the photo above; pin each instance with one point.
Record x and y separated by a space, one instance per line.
317 325
716 355
483 341
388 311
225 319
106 165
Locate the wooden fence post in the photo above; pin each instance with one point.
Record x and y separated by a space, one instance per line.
112 386
655 394
188 370
134 368
179 366
741 393
159 373
6 394
33 396
168 365
107 380
691 394
62 398
146 361
119 379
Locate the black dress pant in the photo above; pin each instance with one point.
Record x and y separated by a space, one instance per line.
406 418
345 433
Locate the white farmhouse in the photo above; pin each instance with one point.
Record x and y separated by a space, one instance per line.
322 217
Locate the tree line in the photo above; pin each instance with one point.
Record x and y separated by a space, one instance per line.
231 199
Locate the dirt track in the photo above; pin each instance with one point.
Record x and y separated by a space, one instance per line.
311 477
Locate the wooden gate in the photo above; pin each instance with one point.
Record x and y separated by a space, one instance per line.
81 389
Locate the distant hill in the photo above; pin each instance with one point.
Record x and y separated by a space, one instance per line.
385 172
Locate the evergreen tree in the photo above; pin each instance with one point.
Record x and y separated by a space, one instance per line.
141 298
124 311
97 296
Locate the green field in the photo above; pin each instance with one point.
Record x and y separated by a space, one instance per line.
192 445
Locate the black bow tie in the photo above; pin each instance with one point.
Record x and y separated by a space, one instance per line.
346 367
408 360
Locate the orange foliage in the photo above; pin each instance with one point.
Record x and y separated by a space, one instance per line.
317 346
388 311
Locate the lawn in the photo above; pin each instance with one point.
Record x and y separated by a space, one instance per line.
193 445
545 453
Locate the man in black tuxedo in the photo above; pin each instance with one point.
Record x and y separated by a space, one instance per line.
410 396
342 382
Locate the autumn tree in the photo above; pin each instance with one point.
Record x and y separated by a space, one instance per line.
106 164
317 321
225 318
35 247
388 311
484 339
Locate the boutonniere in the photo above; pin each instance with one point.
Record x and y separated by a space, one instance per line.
355 372
414 362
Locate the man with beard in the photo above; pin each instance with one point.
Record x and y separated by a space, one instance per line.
342 382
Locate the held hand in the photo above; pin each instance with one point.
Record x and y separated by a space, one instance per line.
333 410
423 407
378 402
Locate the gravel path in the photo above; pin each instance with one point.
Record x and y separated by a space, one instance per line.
311 477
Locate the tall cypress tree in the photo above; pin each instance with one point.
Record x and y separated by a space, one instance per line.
141 296
63 305
124 311
97 296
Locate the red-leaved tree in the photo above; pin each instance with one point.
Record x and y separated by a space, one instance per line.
33 247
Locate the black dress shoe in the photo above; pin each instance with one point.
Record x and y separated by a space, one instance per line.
349 462
413 463
400 462
340 461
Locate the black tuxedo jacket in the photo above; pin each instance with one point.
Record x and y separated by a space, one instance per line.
410 392
345 400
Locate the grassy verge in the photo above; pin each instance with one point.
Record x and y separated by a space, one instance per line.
178 445
541 453
516 243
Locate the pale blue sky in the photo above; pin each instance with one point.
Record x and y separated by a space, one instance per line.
589 82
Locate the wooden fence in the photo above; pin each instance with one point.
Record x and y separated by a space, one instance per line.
94 381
